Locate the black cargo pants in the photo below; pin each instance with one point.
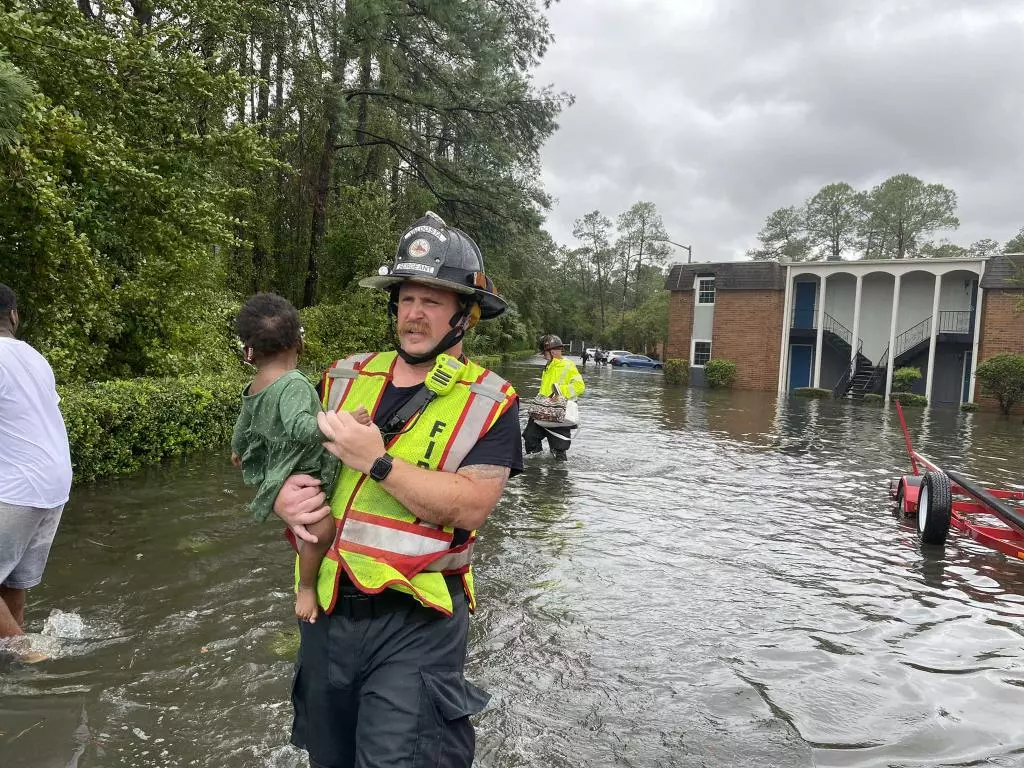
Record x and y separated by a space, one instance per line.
379 684
559 438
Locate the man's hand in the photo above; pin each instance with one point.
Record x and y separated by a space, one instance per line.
357 445
236 460
300 502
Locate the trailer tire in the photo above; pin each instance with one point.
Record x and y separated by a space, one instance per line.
934 508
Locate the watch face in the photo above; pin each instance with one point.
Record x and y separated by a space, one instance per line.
381 467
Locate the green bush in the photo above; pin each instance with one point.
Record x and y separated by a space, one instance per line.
334 331
124 425
720 374
812 392
970 407
1002 377
903 378
873 399
908 398
677 371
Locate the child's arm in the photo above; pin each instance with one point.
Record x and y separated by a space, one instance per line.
238 437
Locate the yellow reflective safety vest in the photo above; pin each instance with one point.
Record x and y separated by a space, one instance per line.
561 373
379 543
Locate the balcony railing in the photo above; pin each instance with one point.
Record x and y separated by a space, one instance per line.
959 321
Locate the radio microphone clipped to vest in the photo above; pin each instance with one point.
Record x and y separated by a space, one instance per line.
441 380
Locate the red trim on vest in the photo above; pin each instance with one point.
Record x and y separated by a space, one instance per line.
398 525
458 427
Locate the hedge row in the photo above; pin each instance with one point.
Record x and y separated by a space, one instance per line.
121 426
124 425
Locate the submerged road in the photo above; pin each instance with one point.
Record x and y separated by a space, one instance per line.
713 579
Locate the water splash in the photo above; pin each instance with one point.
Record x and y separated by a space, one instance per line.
68 626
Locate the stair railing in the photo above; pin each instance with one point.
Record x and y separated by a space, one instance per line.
913 336
843 385
832 325
878 371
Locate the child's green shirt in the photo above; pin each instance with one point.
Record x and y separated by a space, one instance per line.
276 435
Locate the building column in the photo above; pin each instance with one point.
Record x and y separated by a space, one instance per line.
787 309
935 335
857 294
821 332
889 366
977 338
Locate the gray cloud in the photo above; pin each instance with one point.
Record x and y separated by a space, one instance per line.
721 111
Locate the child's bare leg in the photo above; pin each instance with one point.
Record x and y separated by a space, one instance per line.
310 557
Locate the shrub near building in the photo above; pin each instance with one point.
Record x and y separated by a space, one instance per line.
1002 377
720 374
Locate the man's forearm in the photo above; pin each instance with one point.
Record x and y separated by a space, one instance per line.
446 498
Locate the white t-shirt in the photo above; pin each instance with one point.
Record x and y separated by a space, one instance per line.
35 460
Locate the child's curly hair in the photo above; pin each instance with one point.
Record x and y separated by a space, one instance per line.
268 324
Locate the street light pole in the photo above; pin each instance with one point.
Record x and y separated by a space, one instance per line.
689 249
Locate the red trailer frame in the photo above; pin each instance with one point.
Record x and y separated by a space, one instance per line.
983 514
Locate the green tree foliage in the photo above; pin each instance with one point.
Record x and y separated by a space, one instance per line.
833 219
1002 377
901 211
891 221
15 93
783 237
593 230
1016 243
641 243
161 160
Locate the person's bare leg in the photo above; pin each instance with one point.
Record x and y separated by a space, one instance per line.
310 557
12 611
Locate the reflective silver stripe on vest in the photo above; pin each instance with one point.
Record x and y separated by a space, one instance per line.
474 422
452 561
345 370
391 539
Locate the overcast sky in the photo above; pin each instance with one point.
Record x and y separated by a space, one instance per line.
720 111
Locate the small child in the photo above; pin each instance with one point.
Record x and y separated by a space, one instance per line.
276 434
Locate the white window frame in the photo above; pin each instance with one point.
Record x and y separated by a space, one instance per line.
693 351
697 285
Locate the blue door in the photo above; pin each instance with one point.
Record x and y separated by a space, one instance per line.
803 304
800 358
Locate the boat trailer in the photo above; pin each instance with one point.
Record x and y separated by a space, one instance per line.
943 498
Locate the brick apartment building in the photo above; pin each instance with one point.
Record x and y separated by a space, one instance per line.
832 324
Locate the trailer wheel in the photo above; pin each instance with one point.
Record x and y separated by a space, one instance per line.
934 507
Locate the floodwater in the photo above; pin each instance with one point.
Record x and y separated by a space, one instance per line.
714 579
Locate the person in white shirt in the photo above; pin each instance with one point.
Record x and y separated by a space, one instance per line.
35 467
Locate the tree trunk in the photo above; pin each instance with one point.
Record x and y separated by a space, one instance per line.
332 116
263 99
85 7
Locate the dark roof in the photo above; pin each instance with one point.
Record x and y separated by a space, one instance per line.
1004 271
729 276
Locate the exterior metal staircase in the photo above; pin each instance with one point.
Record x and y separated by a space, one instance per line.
863 377
908 345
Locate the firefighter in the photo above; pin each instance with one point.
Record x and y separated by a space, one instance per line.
379 678
560 381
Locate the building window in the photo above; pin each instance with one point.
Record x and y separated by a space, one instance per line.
706 290
701 353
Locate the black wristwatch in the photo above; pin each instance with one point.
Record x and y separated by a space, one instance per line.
382 468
